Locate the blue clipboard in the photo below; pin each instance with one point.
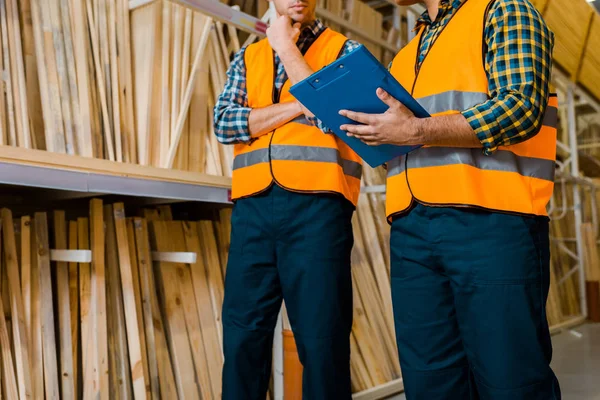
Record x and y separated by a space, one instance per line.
351 83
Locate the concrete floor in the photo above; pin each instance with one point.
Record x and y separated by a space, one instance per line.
576 362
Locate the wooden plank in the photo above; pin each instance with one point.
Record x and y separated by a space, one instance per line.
165 213
8 82
64 310
100 80
177 337
161 371
114 75
8 373
47 75
37 367
165 124
18 68
80 44
213 272
87 314
128 77
101 387
74 305
139 310
3 110
21 341
176 69
187 98
63 79
129 302
144 26
51 379
120 377
201 290
26 274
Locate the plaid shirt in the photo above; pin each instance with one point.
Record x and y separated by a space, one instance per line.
518 64
231 110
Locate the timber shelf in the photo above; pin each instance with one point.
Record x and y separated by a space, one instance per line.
90 176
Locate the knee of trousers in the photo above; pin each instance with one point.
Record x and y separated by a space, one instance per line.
546 390
323 351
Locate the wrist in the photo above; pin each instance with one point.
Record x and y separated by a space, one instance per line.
418 132
287 50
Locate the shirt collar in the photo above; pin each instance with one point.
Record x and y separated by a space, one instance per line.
314 28
444 7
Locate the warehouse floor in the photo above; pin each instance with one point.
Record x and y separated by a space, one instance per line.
576 362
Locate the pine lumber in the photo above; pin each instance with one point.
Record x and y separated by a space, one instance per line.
161 370
119 374
213 271
18 68
165 118
170 293
80 45
51 379
135 272
26 274
100 386
74 305
87 310
8 374
22 359
11 114
36 340
202 297
64 310
129 302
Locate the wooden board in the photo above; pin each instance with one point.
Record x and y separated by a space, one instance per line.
129 302
67 384
161 370
51 379
20 337
119 373
100 386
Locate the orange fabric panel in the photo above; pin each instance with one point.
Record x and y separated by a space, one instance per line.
312 176
467 185
398 197
251 180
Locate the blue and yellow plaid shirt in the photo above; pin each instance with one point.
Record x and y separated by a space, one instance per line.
231 110
518 64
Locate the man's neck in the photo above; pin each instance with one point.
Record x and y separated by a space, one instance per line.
432 8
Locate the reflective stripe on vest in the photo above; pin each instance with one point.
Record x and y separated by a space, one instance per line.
298 153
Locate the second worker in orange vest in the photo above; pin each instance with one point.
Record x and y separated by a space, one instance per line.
470 264
295 187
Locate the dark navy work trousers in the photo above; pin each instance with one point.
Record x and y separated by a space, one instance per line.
469 291
295 247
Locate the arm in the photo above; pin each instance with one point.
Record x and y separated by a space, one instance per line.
234 121
519 64
264 120
519 92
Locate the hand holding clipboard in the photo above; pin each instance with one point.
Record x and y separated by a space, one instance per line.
351 83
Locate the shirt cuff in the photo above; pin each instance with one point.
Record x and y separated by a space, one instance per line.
234 127
484 122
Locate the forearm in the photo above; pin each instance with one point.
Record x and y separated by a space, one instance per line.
446 130
296 68
264 120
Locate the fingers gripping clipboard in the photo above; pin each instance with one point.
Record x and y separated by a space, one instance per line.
351 83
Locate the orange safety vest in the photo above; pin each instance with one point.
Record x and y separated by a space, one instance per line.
297 156
517 178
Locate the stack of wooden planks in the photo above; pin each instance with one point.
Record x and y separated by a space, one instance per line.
141 317
374 358
91 78
120 326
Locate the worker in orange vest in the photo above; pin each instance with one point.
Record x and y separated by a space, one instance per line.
295 187
470 252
